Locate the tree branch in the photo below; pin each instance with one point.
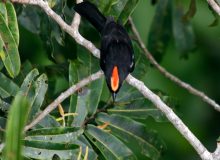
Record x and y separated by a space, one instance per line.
167 74
63 96
173 118
214 6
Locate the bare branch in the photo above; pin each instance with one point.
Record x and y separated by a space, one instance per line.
168 75
174 119
63 96
214 6
76 19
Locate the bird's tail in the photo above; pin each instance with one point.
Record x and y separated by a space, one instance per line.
92 14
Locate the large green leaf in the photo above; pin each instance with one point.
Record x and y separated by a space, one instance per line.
9 53
55 135
110 146
54 141
161 29
140 140
12 21
7 87
182 30
48 150
15 126
51 131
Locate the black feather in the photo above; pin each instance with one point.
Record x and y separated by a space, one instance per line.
92 14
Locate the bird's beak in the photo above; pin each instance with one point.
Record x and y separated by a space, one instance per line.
113 96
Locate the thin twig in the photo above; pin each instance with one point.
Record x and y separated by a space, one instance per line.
63 96
214 6
168 75
174 119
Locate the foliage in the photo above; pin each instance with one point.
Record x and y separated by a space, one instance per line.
27 83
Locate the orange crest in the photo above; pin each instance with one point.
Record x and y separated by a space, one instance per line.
115 79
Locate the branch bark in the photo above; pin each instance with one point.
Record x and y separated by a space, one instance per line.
214 6
173 118
168 75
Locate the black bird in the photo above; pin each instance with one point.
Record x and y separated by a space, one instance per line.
117 55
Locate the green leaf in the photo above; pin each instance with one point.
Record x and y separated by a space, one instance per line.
3 11
15 126
51 131
43 154
161 29
83 142
81 107
55 135
12 21
50 145
9 53
123 9
7 87
35 91
73 79
120 10
54 141
37 95
28 81
48 121
110 146
135 105
140 140
183 31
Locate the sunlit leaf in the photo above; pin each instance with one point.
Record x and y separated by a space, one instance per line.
9 53
12 21
14 130
109 146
